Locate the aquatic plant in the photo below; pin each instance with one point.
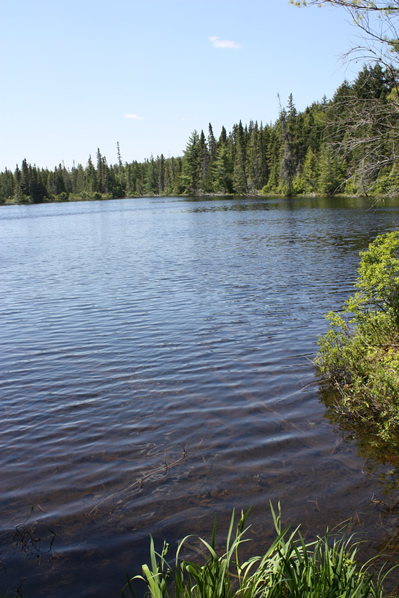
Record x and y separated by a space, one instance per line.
324 568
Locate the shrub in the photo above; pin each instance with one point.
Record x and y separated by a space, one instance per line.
359 354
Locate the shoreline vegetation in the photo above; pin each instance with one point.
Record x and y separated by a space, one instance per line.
106 197
358 358
324 568
322 151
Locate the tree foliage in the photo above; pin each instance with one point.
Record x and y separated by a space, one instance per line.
346 144
368 112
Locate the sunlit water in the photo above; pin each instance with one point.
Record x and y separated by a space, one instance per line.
156 369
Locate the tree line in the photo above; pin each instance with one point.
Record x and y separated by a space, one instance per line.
346 144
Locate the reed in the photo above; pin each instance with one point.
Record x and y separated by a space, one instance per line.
324 568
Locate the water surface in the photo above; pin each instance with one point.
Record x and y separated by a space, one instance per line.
156 369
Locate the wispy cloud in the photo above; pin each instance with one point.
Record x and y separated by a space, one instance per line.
134 116
223 43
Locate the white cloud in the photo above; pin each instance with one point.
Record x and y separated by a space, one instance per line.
134 116
223 43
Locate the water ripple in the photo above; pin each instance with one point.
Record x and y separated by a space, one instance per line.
156 367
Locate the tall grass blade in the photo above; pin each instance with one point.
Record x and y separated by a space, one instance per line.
290 568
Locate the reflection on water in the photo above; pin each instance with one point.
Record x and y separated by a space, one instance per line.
374 449
381 462
156 359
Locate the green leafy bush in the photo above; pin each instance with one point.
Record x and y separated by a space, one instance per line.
359 355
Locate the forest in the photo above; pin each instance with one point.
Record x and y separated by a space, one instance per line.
343 145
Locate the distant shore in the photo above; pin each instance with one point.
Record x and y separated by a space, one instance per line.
64 198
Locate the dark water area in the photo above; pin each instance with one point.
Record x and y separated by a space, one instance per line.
156 370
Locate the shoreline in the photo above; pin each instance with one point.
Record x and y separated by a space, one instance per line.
107 197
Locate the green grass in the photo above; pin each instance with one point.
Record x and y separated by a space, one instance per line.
325 568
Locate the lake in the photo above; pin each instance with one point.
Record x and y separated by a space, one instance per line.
156 370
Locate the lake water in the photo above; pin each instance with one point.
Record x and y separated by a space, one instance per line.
156 369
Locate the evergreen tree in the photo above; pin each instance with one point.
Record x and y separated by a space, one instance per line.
204 158
253 159
99 184
287 165
25 182
161 174
192 164
120 167
151 177
211 145
310 171
222 170
7 185
223 136
330 172
90 177
239 176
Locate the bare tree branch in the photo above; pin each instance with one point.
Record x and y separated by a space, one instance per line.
365 131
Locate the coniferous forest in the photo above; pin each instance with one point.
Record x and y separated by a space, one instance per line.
343 145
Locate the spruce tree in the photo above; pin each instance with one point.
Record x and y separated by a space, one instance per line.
204 158
239 176
309 172
192 164
287 165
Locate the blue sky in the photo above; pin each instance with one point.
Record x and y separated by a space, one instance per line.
79 75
